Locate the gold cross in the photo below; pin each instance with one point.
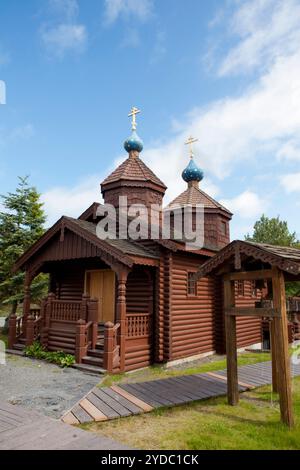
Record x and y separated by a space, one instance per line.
134 111
190 142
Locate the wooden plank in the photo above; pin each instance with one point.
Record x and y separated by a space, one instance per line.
143 395
69 418
123 401
92 410
248 275
115 405
103 407
81 414
282 349
221 377
253 312
131 398
231 345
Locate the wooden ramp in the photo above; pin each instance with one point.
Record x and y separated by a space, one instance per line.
24 429
102 404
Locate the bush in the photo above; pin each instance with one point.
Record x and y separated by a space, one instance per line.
37 351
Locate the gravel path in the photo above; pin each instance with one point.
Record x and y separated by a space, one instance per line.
44 387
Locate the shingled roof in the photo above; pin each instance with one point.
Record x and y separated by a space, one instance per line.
194 195
285 258
133 169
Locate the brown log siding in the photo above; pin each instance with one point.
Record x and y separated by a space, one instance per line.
139 298
249 329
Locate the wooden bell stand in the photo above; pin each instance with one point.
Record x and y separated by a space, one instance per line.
281 377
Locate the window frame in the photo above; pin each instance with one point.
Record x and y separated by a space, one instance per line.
188 280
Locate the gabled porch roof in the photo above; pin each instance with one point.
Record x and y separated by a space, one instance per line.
238 252
125 252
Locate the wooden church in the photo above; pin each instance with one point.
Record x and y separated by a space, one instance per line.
122 304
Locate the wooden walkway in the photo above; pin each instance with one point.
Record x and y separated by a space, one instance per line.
24 429
102 404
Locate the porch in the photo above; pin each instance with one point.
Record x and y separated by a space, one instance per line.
73 326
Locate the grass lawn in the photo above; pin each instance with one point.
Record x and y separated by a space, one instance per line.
208 364
210 424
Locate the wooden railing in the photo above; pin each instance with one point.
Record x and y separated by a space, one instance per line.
65 310
86 338
138 325
111 358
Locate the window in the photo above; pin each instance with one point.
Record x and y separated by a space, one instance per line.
223 228
191 284
240 287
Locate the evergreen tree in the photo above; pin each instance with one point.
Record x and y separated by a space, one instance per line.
21 224
276 232
273 231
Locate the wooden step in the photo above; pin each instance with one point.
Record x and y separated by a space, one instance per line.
93 361
89 369
22 340
19 346
95 353
62 333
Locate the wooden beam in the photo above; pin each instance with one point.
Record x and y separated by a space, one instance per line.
248 275
281 349
231 347
273 355
252 312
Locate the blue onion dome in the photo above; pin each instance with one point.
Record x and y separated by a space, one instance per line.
192 172
133 143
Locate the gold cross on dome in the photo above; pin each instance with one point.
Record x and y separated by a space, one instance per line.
190 142
134 111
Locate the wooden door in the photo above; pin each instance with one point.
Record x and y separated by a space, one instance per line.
101 284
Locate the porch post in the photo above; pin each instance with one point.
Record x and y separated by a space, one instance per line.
231 346
26 301
121 313
282 349
12 330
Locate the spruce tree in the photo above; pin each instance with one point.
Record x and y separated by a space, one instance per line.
21 224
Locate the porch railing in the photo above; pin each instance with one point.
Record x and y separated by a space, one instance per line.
138 325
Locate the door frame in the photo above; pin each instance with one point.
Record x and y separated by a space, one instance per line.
87 271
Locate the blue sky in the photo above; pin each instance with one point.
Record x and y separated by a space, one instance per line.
226 72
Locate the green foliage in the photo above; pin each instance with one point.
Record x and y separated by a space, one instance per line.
273 231
37 351
21 224
276 232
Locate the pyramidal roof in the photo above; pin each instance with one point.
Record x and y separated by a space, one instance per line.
194 195
133 169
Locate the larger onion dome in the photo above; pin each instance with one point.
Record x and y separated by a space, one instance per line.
133 143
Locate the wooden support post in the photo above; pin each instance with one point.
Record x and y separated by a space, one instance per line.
30 330
273 356
281 349
121 313
12 330
80 349
231 347
108 347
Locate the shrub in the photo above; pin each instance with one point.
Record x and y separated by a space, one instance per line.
37 351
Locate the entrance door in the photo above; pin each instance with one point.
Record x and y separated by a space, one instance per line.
101 284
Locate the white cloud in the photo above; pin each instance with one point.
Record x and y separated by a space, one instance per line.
291 182
65 38
141 9
290 150
246 205
266 29
246 128
63 34
71 201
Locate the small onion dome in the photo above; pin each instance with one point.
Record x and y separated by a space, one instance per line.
133 143
192 172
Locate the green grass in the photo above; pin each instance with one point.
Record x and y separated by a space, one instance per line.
160 371
212 424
